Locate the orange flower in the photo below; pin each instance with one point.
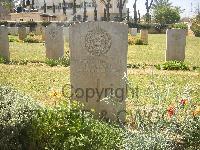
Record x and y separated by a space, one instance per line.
183 102
196 111
171 111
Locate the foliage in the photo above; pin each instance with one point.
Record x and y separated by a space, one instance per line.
2 60
33 39
130 39
67 127
45 23
173 65
16 111
63 61
13 39
161 3
145 26
196 26
139 42
180 26
5 23
166 15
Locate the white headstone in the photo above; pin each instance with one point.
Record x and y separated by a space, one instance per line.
66 34
22 32
133 31
144 35
98 63
13 31
176 42
4 43
54 42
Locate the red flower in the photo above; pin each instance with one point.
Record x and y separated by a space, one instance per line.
171 111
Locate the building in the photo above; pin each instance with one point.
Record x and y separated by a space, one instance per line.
64 10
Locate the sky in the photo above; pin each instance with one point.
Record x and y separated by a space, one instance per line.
184 4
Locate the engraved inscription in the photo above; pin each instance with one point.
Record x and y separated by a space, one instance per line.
98 42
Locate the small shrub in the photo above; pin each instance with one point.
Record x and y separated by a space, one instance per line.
16 111
32 34
5 23
32 39
139 42
52 62
196 26
63 61
3 60
13 39
131 40
63 127
173 65
180 26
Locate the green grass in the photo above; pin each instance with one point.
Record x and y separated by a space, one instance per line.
154 53
38 79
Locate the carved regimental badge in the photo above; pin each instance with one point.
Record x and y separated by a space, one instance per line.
53 33
98 42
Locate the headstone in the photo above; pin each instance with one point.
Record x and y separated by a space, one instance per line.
144 35
27 30
4 43
43 33
66 34
54 42
38 30
98 58
133 31
13 31
22 33
176 42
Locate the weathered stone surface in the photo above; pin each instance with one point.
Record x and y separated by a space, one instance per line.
43 33
4 43
98 64
144 35
27 30
38 30
54 42
133 31
66 34
22 33
176 42
13 30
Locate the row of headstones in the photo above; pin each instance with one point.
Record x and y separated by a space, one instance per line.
176 41
23 31
175 44
98 62
53 35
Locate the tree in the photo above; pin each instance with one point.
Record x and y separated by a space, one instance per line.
135 11
161 3
166 15
8 4
148 7
107 9
95 9
121 4
196 25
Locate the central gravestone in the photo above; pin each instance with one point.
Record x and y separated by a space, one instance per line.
98 64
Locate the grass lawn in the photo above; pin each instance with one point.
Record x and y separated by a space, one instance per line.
38 79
